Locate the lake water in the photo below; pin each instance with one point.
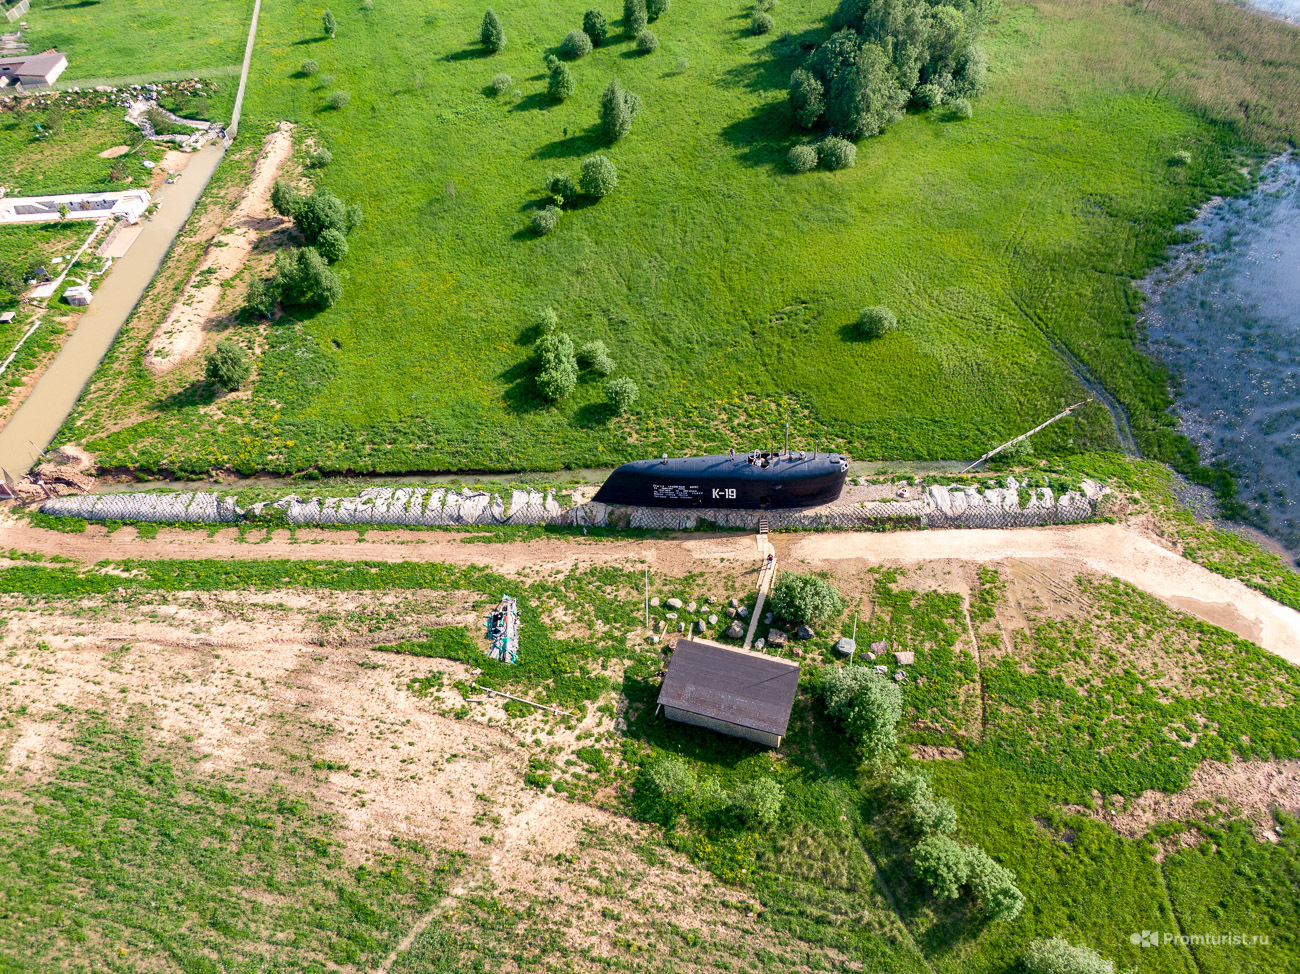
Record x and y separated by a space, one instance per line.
1224 315
1286 9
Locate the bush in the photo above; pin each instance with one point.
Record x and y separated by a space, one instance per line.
559 85
635 17
338 100
492 34
329 23
837 153
320 211
646 42
1057 956
961 108
261 298
807 98
321 158
758 802
761 23
367 4
309 67
681 65
805 598
618 108
942 864
227 366
333 246
302 277
933 816
550 60
768 5
671 777
621 393
285 199
557 374
868 704
595 356
594 26
994 886
802 158
547 321
928 96
576 44
500 83
561 188
598 178
545 220
876 321
1016 455
1181 158
656 8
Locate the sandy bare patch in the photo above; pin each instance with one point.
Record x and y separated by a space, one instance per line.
115 151
936 752
180 336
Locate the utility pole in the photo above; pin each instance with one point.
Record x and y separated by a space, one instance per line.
854 639
1024 436
647 596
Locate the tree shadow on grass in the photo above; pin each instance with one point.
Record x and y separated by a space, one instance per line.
593 415
310 40
584 143
200 392
470 54
535 101
521 395
762 138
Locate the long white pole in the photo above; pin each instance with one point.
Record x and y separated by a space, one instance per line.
1024 436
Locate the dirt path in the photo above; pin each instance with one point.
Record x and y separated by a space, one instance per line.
1108 549
180 336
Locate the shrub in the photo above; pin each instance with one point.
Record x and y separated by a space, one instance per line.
837 153
576 44
807 98
329 23
333 246
635 17
761 23
321 158
547 321
1057 956
621 393
309 67
338 100
868 704
550 60
545 220
326 80
656 8
285 199
492 34
1018 454
618 108
646 42
500 83
595 356
671 777
227 366
961 107
802 158
598 177
994 886
321 211
261 298
805 598
942 864
758 802
557 366
933 816
876 321
561 188
681 65
559 85
302 277
367 4
594 26
1181 158
928 96
768 5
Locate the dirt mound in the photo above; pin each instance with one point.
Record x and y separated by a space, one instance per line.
69 470
115 151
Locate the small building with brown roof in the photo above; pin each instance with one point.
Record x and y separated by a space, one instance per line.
32 69
732 691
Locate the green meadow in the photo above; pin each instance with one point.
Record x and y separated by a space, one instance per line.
725 286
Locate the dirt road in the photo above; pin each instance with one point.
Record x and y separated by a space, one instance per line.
1108 549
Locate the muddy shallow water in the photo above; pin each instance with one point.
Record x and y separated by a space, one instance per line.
1286 9
1224 315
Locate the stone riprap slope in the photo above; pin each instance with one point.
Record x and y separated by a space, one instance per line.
939 507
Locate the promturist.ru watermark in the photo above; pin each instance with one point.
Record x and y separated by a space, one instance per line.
1156 938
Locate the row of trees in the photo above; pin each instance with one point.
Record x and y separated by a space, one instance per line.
884 54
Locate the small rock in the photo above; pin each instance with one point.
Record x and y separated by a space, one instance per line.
674 603
662 625
681 627
699 625
733 603
713 620
759 643
735 631
797 653
803 632
845 646
882 669
691 607
743 612
879 646
898 676
767 618
655 601
871 656
670 615
731 613
904 658
707 600
776 637
651 637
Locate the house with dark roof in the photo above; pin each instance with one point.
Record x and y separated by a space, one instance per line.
732 691
32 69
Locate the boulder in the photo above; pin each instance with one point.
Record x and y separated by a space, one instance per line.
731 613
674 603
681 627
883 670
797 653
691 607
803 632
713 620
699 625
767 618
898 676
845 646
759 643
733 603
743 612
670 615
904 658
879 646
776 637
655 601
735 631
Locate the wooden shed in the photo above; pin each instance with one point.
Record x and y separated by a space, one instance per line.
732 691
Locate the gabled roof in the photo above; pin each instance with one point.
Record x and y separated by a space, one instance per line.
749 689
29 64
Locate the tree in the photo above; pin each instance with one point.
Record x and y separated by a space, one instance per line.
560 83
338 100
862 95
671 777
576 44
598 177
333 246
1058 956
557 374
994 885
595 356
594 26
561 188
761 23
942 864
876 321
227 366
261 298
837 153
302 277
635 17
309 67
805 598
493 35
328 22
618 109
656 8
646 42
285 200
621 393
320 211
868 704
807 98
545 220
758 802
321 158
500 83
802 158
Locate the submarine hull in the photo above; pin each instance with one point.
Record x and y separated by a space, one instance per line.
757 481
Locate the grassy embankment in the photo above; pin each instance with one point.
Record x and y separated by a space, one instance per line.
721 283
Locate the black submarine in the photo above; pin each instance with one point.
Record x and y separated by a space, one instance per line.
761 480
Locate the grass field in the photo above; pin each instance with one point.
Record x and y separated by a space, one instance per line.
725 286
105 40
68 162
